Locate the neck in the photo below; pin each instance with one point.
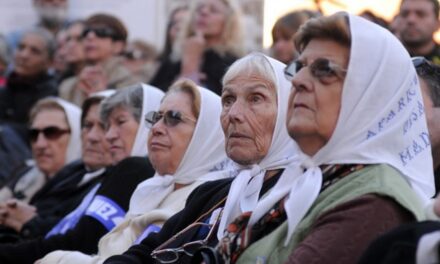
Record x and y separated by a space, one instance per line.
270 174
177 186
421 49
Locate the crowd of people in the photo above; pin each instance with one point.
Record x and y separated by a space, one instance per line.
323 149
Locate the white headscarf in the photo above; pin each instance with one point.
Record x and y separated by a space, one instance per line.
151 102
73 114
372 128
245 189
204 153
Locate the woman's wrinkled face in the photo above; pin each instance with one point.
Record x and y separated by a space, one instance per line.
314 103
167 144
248 118
95 148
121 132
210 18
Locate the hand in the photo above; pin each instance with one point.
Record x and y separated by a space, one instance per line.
18 213
192 54
92 79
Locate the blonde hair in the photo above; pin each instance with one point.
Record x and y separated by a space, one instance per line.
232 39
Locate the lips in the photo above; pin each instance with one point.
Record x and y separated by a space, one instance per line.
238 135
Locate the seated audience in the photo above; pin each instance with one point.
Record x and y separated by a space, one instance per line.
107 203
65 190
104 38
254 102
29 80
211 38
195 155
365 159
140 58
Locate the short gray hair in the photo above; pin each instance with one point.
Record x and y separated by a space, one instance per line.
47 36
252 64
130 98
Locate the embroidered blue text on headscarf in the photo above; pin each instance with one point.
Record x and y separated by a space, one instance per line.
106 211
70 220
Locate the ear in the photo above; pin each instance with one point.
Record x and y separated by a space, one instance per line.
118 47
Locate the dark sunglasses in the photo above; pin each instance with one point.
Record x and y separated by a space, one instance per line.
171 118
100 32
50 133
321 68
420 61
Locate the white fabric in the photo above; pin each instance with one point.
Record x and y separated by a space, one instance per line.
245 189
427 249
201 157
73 114
371 128
151 102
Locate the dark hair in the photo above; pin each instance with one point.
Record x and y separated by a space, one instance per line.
289 24
367 14
87 104
435 5
334 27
168 47
110 21
430 73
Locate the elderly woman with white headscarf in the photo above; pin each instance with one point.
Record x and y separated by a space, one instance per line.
107 203
186 148
254 103
356 112
55 141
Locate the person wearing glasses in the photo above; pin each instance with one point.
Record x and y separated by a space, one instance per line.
365 165
254 104
186 148
104 38
65 190
106 204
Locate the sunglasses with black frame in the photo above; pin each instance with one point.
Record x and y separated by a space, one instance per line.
100 32
50 133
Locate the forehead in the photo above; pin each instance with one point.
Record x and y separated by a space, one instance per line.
50 117
119 110
177 100
214 3
417 5
93 112
329 49
248 84
34 40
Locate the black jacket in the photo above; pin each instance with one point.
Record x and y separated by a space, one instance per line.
118 186
18 97
213 66
200 201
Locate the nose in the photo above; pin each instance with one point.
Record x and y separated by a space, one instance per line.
41 141
236 111
158 128
302 80
95 134
111 134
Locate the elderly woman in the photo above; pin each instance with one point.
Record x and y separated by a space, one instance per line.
366 161
254 104
210 40
185 147
65 190
55 141
106 204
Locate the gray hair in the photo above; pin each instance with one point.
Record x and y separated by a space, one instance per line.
47 37
130 98
252 64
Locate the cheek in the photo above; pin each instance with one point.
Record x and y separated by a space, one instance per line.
328 112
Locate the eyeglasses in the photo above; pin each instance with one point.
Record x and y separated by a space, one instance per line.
171 255
420 61
100 32
171 118
50 133
322 69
